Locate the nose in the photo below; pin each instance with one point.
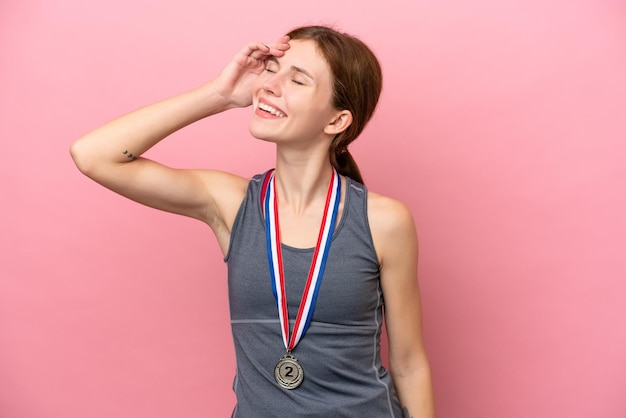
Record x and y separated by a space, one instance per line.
271 84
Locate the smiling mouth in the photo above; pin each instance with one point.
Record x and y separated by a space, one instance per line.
269 109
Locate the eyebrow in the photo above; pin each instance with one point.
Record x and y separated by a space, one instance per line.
293 67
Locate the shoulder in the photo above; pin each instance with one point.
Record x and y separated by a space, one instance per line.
225 191
388 215
392 226
222 184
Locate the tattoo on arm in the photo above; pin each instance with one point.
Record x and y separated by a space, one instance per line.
405 413
129 155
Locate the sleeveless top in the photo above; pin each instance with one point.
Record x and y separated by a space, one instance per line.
340 352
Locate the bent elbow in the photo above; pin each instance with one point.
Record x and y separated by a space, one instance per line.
80 156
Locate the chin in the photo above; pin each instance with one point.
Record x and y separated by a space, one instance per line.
262 133
261 136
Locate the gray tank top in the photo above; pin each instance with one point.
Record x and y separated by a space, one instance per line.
340 353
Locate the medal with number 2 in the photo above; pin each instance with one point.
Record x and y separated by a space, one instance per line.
288 371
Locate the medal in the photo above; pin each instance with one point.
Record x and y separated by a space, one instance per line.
288 371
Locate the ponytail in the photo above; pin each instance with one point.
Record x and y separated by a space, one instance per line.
343 162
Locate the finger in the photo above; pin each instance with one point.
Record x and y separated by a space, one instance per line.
256 50
261 51
282 44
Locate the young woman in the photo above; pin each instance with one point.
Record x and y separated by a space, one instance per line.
310 251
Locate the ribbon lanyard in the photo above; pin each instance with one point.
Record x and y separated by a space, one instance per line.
316 271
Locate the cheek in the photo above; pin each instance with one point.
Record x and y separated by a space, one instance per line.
321 110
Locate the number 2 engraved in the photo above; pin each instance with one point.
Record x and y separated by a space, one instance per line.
288 372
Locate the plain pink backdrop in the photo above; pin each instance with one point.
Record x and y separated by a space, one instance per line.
501 125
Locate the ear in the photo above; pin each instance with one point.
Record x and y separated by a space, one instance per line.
339 123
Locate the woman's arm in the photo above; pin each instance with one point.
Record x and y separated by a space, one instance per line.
110 154
395 240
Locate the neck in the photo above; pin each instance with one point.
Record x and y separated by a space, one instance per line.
301 179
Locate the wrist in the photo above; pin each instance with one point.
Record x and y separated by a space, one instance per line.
217 99
210 100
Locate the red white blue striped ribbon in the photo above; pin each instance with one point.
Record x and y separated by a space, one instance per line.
275 258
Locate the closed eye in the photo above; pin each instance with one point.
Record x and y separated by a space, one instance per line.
271 65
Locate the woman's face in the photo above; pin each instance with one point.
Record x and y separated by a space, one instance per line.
293 96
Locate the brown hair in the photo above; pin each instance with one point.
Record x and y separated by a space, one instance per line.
357 82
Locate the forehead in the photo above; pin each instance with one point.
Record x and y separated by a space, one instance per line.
305 54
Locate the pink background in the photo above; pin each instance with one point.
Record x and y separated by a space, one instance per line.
502 126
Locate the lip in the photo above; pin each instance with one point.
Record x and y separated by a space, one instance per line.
268 115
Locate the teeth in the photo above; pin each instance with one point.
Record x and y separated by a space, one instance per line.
271 110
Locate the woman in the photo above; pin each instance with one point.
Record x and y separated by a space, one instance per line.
310 251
